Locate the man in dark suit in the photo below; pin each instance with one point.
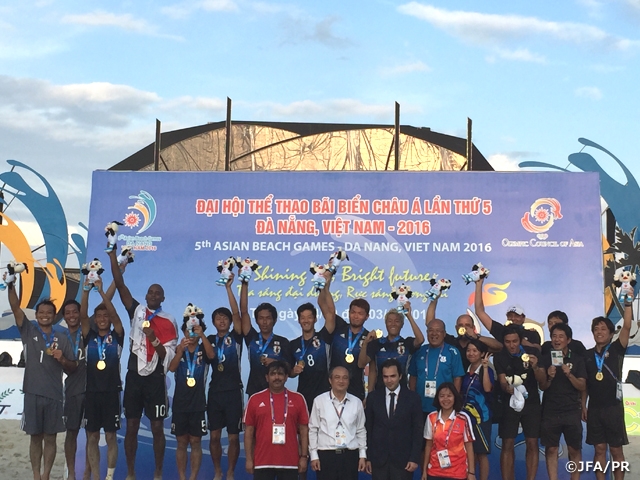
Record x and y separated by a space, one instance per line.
394 427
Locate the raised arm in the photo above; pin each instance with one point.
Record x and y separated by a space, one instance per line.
14 303
626 324
244 308
175 361
233 305
417 333
116 322
85 322
431 310
327 305
479 306
118 280
363 358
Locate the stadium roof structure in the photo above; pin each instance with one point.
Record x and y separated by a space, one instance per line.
263 146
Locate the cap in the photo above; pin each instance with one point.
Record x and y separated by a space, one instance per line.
517 309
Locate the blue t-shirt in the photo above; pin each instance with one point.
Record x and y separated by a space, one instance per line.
382 350
473 392
229 377
278 348
186 398
444 364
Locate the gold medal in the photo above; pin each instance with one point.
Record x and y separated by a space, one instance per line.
349 358
462 331
49 351
301 363
191 382
525 357
101 365
599 376
379 333
146 324
220 367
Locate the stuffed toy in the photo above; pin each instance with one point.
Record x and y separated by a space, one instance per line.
476 273
246 268
520 393
126 256
438 287
13 269
402 294
193 316
625 279
225 267
92 272
110 232
336 259
318 275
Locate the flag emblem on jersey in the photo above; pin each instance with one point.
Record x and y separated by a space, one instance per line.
401 350
316 342
276 349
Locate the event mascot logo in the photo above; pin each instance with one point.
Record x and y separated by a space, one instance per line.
543 211
146 205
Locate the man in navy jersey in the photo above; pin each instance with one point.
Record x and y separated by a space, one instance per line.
152 341
103 347
188 422
348 338
264 346
311 354
224 406
376 351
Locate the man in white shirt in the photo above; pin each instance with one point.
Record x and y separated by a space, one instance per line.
337 435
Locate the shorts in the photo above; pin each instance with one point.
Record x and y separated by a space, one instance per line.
145 393
568 424
606 425
42 415
482 434
224 410
74 412
529 418
102 411
188 423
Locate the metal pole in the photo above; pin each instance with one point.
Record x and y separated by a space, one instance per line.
156 147
469 146
227 146
396 145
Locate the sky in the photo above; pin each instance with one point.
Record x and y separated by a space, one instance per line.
82 82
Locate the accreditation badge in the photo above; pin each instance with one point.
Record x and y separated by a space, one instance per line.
443 458
278 436
341 437
430 388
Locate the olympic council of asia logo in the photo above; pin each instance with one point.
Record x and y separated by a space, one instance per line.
145 206
541 216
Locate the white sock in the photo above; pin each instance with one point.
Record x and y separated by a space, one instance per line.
111 471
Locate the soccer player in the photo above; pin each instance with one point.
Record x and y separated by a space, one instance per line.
188 422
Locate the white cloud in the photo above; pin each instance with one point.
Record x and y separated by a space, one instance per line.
519 55
217 105
124 21
330 109
405 68
184 9
594 7
219 5
300 29
593 93
502 162
633 4
494 29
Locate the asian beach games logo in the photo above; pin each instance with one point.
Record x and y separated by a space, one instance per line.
539 219
144 211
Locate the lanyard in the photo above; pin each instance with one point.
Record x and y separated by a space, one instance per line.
263 344
220 348
47 340
446 440
353 341
75 345
191 362
305 346
150 317
385 340
472 378
101 345
339 414
286 407
519 354
600 358
426 369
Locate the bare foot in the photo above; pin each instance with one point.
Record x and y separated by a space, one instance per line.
218 476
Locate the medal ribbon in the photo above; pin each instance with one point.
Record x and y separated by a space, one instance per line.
519 354
191 362
286 407
220 348
101 341
149 316
426 370
47 340
600 358
263 344
75 344
384 340
305 346
353 341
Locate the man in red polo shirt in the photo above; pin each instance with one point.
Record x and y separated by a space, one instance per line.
276 438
